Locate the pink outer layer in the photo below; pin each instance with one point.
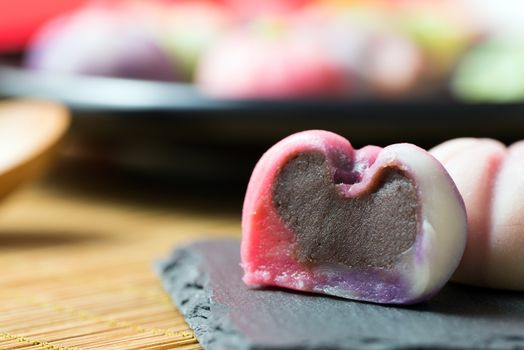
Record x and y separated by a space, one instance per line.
264 234
267 244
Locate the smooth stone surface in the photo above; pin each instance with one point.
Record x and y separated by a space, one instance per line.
204 280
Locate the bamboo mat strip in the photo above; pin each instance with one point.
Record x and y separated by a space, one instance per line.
76 272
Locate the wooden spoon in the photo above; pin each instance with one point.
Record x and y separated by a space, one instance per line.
29 133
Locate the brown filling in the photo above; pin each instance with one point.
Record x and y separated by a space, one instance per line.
371 230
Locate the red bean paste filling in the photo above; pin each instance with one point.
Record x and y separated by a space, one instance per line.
369 231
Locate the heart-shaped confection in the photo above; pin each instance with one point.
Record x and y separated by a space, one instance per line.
380 225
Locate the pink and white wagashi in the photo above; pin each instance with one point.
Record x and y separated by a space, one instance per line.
381 225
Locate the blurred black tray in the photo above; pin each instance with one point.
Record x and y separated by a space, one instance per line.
172 128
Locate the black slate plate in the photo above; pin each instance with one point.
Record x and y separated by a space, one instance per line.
204 281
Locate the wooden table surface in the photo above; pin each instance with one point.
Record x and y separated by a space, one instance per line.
76 266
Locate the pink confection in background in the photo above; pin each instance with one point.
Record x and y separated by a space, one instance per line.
379 61
270 59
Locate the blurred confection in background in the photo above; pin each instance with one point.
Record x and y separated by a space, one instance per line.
348 49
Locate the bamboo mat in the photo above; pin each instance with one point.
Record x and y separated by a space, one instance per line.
76 271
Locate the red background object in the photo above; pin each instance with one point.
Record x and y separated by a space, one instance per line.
21 18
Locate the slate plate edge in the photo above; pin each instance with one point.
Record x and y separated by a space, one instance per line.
192 295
